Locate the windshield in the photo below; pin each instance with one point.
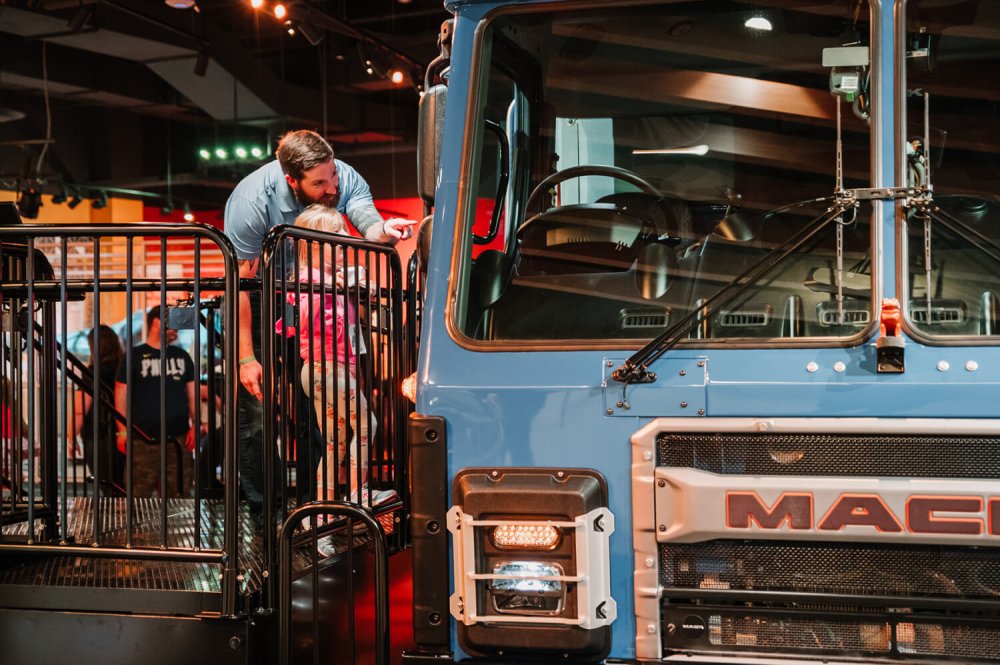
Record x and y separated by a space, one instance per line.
953 277
655 155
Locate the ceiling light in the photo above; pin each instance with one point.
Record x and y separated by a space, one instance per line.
396 76
221 153
188 215
279 11
369 70
758 23
75 199
256 152
99 200
180 4
204 153
699 150
291 31
256 4
241 152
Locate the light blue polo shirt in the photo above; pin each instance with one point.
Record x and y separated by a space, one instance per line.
263 200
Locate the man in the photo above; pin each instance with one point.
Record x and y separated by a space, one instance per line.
179 402
305 172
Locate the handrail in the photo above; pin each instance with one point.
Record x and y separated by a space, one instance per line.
85 382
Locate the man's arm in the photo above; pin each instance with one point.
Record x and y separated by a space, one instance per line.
250 369
120 390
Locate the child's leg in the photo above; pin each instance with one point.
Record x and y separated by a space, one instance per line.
324 411
362 422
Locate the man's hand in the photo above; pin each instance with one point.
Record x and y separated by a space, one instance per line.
397 228
251 374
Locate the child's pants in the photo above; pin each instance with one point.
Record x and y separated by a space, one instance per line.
344 406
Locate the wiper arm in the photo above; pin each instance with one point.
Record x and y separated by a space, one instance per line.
636 368
967 232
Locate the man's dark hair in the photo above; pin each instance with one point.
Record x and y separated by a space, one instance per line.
153 315
301 150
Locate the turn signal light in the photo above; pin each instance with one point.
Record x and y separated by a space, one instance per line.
525 537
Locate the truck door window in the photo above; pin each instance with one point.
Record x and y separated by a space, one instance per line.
952 277
672 146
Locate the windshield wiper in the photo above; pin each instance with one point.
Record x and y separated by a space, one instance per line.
636 368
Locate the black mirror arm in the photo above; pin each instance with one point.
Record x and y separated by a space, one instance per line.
501 185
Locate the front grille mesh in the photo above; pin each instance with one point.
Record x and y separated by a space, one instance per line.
855 569
833 455
910 576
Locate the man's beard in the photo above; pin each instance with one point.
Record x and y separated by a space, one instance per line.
303 198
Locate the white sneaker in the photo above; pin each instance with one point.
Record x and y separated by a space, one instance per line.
325 548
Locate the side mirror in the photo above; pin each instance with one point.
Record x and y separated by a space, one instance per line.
429 131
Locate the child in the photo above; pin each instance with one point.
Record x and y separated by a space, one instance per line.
323 347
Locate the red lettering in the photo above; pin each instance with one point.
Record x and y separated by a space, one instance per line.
860 510
921 518
744 508
995 517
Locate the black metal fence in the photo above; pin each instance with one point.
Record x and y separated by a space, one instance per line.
326 557
124 497
334 353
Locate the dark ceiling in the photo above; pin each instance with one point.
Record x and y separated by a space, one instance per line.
136 88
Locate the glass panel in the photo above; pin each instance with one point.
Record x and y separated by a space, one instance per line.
668 144
953 56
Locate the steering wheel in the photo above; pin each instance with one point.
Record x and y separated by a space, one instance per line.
590 169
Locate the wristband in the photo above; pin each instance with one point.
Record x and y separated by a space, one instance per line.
248 359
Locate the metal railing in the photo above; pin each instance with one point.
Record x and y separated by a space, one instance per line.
297 535
334 356
39 370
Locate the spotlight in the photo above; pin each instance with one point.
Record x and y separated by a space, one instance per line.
188 215
256 4
201 62
291 31
168 208
75 199
29 202
758 23
396 76
369 71
60 196
256 152
204 153
240 151
221 153
179 4
99 200
279 11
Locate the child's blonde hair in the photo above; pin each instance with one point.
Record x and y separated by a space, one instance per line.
318 218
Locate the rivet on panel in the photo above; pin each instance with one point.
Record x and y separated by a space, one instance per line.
684 405
943 366
812 366
650 562
839 366
971 365
648 455
661 483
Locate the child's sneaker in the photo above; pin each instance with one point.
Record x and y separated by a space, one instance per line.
325 548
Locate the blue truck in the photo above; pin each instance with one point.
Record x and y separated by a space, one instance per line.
708 365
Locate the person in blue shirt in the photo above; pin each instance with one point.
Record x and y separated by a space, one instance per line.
305 172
